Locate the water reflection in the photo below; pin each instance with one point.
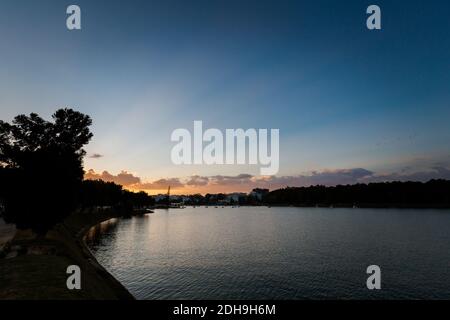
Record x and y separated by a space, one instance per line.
278 253
95 234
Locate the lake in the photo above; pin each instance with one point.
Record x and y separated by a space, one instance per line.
278 253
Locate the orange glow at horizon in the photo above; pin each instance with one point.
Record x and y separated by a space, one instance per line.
213 189
133 183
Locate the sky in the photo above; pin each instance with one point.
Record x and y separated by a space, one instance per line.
352 104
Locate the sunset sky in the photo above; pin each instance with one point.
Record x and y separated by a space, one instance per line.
352 105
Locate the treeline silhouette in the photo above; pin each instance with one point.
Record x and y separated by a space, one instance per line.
98 193
432 194
41 171
211 199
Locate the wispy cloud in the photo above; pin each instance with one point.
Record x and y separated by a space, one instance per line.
406 175
198 181
96 156
174 183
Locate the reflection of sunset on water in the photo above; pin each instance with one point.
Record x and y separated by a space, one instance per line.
96 231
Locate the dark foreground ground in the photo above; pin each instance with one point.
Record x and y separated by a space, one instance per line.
34 267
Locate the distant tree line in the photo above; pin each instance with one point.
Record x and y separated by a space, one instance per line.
98 193
431 194
217 199
434 193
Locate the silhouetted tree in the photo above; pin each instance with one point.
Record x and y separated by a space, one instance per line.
41 167
100 193
96 193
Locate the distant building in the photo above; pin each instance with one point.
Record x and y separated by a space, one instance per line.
234 197
160 197
185 199
259 194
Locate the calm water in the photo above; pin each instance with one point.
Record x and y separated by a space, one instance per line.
278 253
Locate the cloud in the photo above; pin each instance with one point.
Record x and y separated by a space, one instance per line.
123 178
406 174
130 181
351 176
328 178
231 180
96 156
197 181
246 182
174 183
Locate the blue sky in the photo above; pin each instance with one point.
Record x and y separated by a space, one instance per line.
342 96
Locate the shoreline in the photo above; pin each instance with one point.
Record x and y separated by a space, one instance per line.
34 267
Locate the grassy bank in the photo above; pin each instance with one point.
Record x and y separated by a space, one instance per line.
34 267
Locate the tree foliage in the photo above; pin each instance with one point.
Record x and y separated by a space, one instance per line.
41 167
95 193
